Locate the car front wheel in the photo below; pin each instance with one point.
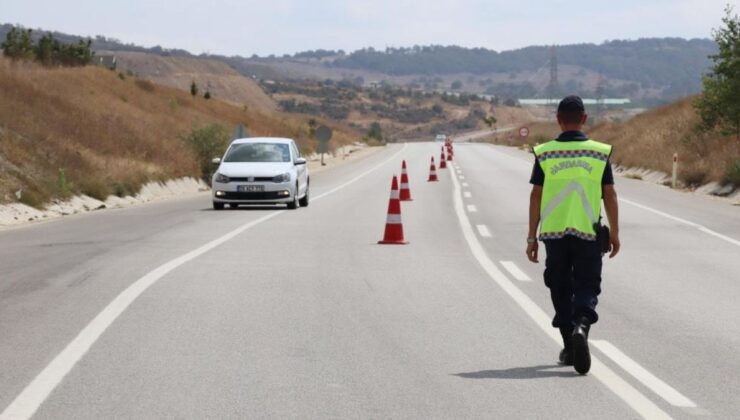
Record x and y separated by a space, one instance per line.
304 201
294 204
218 206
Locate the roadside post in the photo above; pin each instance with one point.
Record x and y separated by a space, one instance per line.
323 135
524 133
674 174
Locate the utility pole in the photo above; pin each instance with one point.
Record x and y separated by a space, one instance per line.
600 92
553 87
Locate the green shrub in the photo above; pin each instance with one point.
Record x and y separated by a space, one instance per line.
206 143
732 174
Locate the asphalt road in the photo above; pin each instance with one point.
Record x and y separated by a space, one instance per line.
172 310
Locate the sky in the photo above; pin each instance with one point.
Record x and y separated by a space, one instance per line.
265 27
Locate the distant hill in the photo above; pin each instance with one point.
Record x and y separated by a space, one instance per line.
649 71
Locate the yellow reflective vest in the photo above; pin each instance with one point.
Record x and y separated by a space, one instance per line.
572 192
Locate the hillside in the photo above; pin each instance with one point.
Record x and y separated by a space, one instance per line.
402 113
218 77
108 134
649 140
645 70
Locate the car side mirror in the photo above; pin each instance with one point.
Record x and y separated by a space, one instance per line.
216 160
300 161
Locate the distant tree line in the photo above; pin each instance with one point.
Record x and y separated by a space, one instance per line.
47 50
668 63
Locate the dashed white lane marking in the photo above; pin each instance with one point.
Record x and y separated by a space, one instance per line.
652 382
684 221
483 231
631 396
465 184
31 398
462 177
467 194
472 208
515 271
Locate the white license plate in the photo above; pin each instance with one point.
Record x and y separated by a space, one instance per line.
250 188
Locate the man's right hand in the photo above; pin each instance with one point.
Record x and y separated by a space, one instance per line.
532 252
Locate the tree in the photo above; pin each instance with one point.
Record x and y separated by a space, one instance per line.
719 106
193 88
490 121
18 44
312 124
375 132
456 85
207 95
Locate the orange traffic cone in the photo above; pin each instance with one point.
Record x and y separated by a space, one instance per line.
393 226
442 163
450 152
405 191
432 172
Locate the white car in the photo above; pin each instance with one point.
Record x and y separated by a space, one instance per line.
261 170
440 137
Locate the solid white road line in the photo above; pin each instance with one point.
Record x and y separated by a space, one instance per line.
31 398
483 231
515 271
661 388
472 208
467 194
684 221
631 396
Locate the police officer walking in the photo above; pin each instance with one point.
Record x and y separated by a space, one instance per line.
571 175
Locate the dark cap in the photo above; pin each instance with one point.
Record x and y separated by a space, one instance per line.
571 103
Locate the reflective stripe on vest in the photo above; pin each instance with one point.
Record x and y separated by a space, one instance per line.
571 194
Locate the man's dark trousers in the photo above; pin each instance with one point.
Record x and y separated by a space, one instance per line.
573 275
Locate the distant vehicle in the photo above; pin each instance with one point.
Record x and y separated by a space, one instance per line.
261 170
440 137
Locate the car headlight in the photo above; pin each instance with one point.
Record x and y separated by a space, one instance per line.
221 178
282 178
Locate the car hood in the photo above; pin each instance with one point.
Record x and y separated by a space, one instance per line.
234 169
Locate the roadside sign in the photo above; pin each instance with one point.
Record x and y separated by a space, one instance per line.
323 134
240 132
524 132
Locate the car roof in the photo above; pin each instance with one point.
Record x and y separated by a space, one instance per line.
280 140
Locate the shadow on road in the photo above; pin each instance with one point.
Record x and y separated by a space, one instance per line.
531 372
246 207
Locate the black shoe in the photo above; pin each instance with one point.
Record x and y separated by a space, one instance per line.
566 357
581 354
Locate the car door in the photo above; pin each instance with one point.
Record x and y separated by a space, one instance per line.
301 170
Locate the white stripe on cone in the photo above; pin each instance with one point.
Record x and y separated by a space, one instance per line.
395 195
393 219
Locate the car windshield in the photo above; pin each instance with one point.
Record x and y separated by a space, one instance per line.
258 152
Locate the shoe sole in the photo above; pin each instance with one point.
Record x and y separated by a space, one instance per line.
581 354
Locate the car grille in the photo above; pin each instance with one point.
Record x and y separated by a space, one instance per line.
251 179
266 195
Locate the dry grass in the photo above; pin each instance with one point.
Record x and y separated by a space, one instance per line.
109 135
650 139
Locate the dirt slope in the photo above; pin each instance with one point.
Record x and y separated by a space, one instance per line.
109 135
179 72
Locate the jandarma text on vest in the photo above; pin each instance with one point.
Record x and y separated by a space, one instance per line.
575 163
